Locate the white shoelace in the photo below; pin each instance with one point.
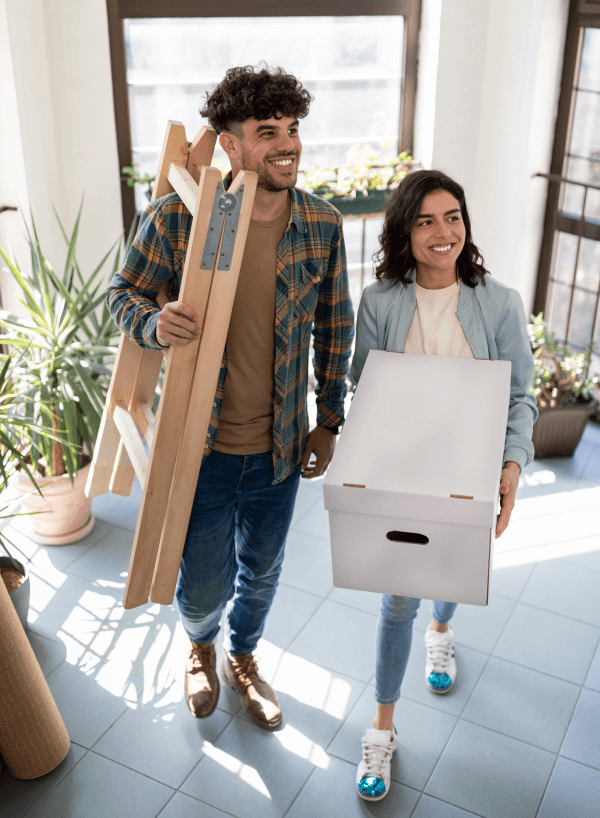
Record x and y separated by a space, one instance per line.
376 757
439 655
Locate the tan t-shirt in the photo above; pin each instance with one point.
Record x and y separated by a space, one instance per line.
435 329
246 418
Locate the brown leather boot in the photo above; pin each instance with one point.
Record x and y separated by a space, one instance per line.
201 681
259 700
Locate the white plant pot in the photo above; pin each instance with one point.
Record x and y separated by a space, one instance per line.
67 513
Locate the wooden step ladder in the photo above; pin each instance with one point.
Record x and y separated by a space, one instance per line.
176 437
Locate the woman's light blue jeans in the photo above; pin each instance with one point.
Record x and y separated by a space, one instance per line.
394 638
234 548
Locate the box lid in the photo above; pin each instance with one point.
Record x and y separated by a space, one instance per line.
423 440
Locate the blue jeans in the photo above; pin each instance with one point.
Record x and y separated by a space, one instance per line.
234 548
394 637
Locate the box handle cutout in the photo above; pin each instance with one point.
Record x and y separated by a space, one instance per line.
407 536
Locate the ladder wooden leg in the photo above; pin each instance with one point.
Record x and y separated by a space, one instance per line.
142 393
206 376
119 394
172 410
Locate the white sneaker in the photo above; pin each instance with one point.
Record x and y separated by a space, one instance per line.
440 666
373 773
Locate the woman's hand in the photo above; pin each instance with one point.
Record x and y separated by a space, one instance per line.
509 483
177 324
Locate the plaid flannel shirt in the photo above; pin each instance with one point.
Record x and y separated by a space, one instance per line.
311 294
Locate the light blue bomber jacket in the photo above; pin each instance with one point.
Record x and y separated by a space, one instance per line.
493 320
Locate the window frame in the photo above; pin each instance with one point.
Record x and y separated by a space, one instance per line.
582 14
118 10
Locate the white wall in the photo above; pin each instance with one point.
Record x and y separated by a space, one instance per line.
57 137
488 118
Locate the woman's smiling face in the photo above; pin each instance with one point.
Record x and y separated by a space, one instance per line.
437 235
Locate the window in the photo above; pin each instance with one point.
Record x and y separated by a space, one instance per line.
357 57
568 288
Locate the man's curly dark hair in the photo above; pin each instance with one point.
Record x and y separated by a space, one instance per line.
257 92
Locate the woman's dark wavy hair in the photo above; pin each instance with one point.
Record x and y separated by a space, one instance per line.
394 259
257 92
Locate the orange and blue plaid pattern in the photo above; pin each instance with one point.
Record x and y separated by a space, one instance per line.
312 294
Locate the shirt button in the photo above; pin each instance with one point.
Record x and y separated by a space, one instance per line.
215 405
318 278
206 445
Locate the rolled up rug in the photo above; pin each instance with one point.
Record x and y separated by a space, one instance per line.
33 736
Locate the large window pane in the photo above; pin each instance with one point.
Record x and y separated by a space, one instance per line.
351 65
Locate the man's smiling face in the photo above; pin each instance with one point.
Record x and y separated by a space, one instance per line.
272 149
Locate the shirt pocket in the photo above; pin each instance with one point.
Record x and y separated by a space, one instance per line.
311 275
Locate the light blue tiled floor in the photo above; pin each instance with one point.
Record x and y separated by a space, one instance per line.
516 738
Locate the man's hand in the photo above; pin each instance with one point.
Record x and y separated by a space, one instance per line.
321 444
177 325
509 482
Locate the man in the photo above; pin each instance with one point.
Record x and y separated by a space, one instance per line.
293 275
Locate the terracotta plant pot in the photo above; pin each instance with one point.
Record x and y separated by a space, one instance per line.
67 511
558 430
18 588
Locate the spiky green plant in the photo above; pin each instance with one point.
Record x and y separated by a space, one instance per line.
12 425
66 341
561 375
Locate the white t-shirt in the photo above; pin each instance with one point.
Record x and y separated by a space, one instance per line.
435 329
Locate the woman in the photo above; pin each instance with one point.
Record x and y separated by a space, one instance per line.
434 296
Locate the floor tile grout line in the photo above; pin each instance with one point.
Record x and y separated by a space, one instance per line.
539 806
562 744
163 808
187 795
95 541
232 717
58 784
343 721
468 812
581 763
295 798
556 613
132 769
296 588
522 741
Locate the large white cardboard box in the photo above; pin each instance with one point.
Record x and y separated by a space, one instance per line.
412 490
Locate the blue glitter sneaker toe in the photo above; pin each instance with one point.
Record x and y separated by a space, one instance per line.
372 787
439 681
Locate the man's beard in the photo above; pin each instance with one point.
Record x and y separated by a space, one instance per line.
265 180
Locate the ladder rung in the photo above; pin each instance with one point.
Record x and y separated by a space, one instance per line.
183 185
132 441
144 417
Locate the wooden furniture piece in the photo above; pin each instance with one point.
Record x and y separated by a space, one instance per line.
176 438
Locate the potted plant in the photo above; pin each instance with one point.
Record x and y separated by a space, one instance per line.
133 177
362 184
61 378
564 392
13 572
